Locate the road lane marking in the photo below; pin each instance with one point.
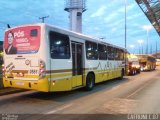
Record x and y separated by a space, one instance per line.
116 87
59 109
138 90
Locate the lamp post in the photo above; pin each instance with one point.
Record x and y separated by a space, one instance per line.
140 47
147 28
156 49
125 24
125 38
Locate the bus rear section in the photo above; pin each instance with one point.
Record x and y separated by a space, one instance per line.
23 66
157 62
133 65
147 62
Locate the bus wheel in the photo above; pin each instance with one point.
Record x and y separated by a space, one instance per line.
135 72
122 74
90 81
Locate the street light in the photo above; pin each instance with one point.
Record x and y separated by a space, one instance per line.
140 43
125 29
125 23
147 28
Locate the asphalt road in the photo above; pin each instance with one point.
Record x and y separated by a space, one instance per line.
133 94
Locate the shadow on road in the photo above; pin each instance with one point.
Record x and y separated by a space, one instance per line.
60 97
75 94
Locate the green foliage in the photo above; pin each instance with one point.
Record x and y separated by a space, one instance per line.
1 57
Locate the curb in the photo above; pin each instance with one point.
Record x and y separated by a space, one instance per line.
6 91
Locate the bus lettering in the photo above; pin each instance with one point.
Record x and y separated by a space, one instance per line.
10 67
19 34
22 40
23 45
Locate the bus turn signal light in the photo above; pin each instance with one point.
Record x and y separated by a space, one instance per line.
3 69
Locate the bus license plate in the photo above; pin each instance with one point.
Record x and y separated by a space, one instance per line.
19 83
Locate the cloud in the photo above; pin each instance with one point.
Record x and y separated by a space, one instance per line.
131 46
129 7
114 29
99 12
116 23
121 10
111 17
134 16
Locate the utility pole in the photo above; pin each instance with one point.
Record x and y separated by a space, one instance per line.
156 49
142 49
125 32
43 18
125 26
151 49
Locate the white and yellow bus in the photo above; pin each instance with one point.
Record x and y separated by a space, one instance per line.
147 62
157 62
47 58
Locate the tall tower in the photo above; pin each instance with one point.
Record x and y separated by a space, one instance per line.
75 9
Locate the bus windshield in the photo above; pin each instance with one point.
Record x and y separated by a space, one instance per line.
22 40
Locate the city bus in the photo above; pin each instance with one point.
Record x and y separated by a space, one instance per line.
47 58
157 62
133 64
147 62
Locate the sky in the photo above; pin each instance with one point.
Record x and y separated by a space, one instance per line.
102 19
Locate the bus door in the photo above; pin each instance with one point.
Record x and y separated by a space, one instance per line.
77 64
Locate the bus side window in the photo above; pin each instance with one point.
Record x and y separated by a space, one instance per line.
91 50
115 53
118 54
110 53
34 33
122 55
102 52
59 46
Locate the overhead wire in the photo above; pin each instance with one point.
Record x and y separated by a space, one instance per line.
11 9
14 10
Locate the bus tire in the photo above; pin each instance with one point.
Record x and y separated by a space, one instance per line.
122 74
135 72
90 81
132 72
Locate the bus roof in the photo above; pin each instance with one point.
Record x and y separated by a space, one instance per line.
72 33
144 55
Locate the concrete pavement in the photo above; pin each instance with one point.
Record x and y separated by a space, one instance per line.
115 96
134 94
